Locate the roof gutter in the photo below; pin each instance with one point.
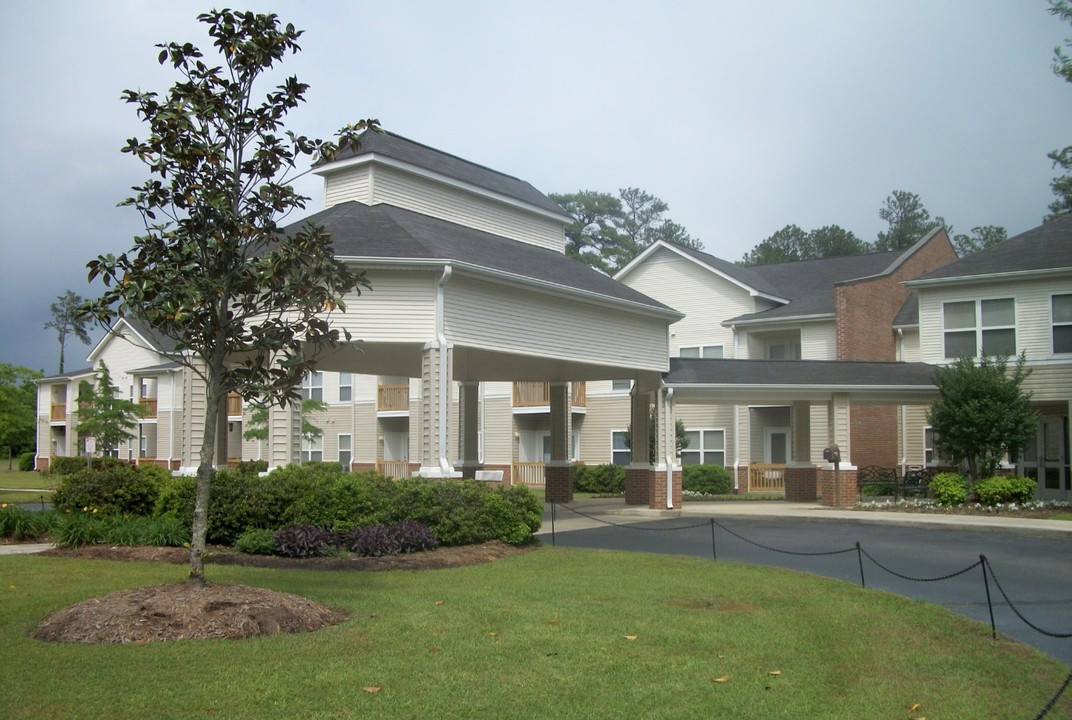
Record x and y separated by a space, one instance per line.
988 277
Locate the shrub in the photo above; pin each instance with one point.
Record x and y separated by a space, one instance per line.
256 542
993 490
1023 489
372 541
413 537
706 479
342 500
17 523
949 488
526 502
301 541
114 488
252 467
466 512
26 461
164 532
78 528
66 465
605 479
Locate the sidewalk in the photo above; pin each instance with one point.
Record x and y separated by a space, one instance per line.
615 510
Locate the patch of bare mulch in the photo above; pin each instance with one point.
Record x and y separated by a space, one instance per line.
182 611
444 557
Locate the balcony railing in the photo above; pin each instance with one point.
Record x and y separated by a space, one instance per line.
397 469
234 405
535 394
59 412
392 398
527 473
767 478
150 406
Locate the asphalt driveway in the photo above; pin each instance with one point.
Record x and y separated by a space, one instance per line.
1034 571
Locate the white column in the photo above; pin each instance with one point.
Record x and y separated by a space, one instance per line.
433 411
838 424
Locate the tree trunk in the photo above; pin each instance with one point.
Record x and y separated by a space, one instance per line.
206 470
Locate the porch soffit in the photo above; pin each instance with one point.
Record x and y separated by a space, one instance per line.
770 382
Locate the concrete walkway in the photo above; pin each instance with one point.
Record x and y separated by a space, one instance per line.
24 548
614 510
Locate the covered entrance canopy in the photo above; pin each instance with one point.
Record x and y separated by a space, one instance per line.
799 384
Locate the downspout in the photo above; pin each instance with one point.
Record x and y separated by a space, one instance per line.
736 421
670 438
171 431
901 409
444 381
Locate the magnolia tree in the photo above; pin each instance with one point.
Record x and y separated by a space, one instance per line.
246 304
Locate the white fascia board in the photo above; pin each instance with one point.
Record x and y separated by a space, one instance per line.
513 280
786 320
752 292
374 158
989 277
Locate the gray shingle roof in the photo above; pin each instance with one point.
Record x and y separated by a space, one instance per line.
386 232
405 150
1046 247
809 284
820 373
744 275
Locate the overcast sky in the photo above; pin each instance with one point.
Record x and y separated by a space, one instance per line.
743 116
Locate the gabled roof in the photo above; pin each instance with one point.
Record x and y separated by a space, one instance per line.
148 338
389 145
744 277
69 375
393 235
1044 250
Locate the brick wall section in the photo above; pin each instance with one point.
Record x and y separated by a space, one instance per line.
865 311
844 497
558 484
743 487
800 484
638 486
658 490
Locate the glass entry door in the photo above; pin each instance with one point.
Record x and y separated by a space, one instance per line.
1046 458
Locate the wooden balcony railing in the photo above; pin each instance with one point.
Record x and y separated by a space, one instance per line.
234 405
59 412
150 406
766 478
392 398
527 473
535 394
397 469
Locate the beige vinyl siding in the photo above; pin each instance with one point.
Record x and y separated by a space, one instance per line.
498 428
910 350
818 341
605 415
353 183
366 433
741 452
510 319
399 308
1033 324
704 297
396 187
1050 382
819 433
709 417
910 440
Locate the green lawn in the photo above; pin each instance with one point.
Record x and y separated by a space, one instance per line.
554 633
23 486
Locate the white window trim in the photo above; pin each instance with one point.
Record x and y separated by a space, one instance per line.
701 450
614 451
312 445
700 349
311 382
979 328
1054 324
348 385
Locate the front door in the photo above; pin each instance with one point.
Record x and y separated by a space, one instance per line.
776 445
1046 458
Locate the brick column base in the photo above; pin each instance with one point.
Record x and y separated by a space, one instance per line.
638 486
558 483
845 496
658 490
742 480
801 484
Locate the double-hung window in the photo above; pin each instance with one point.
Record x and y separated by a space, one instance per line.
619 448
979 326
1061 311
313 449
346 387
313 386
705 447
708 352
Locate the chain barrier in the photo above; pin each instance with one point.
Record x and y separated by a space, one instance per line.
779 550
1053 701
1012 607
950 576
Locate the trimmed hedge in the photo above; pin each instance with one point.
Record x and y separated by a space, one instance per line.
998 490
112 488
706 479
605 479
949 488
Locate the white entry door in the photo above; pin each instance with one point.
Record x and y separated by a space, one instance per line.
776 449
